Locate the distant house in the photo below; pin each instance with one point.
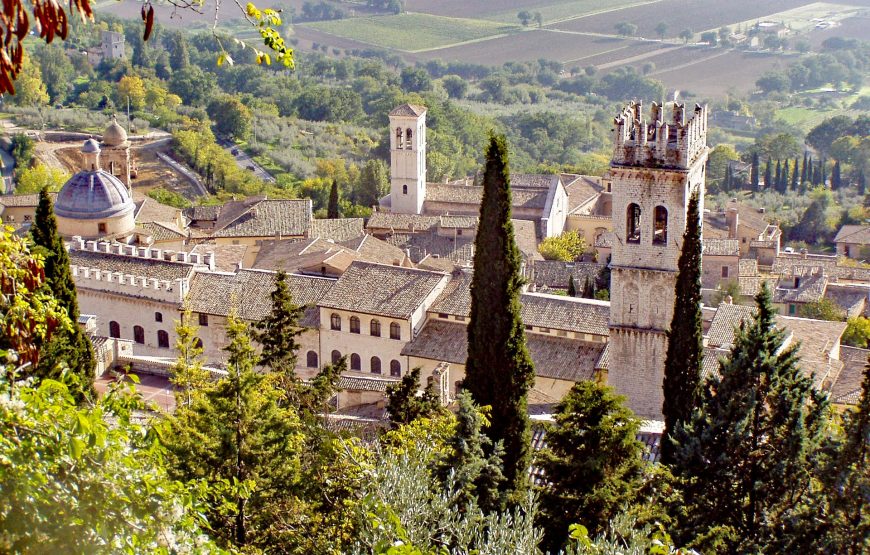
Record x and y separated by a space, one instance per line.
852 241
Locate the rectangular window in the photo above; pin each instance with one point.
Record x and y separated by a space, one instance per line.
460 318
529 328
203 319
442 315
724 271
101 227
792 309
544 330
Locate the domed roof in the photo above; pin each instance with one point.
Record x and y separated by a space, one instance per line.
90 146
114 135
90 195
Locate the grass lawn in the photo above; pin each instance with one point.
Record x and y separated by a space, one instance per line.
807 118
412 32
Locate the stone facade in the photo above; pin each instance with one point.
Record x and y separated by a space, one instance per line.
655 169
408 159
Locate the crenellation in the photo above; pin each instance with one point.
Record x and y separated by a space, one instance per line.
128 284
668 144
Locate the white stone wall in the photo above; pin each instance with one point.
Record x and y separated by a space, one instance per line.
69 227
637 360
408 165
711 274
364 344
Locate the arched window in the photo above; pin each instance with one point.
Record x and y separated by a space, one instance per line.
375 328
395 368
395 331
336 356
355 363
138 334
162 339
311 359
404 189
632 224
408 136
335 322
114 329
399 143
158 316
376 365
354 324
660 229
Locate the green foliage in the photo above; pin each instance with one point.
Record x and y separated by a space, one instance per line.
745 458
232 118
685 337
187 373
21 150
818 222
567 247
69 348
332 209
277 331
88 479
824 309
499 371
857 332
404 405
731 288
572 289
592 461
36 178
169 198
237 438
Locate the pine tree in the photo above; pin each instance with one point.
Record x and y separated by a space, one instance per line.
474 465
499 371
244 444
768 175
592 462
744 459
572 289
277 333
685 338
187 373
754 172
70 347
404 405
332 207
794 175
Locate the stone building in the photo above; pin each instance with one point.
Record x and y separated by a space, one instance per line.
657 165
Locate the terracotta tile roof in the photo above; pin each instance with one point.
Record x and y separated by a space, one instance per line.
132 265
22 200
747 267
248 292
715 225
720 247
162 231
554 357
554 274
459 222
364 383
581 190
209 213
852 299
340 229
751 285
753 218
267 218
810 289
456 297
847 387
226 257
401 222
372 249
438 264
149 210
855 234
383 290
411 110
421 245
526 192
532 180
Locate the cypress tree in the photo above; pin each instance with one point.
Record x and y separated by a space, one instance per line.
69 347
783 178
572 289
277 332
794 175
823 178
835 176
810 170
862 182
588 288
685 337
745 458
754 171
768 175
817 175
499 371
332 208
804 169
777 176
726 183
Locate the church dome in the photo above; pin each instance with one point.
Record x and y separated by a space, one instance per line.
90 195
91 146
114 135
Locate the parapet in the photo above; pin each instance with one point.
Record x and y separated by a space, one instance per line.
152 253
675 143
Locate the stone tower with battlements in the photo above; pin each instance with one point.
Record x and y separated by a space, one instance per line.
408 159
657 164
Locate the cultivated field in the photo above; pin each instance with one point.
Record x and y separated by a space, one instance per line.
412 32
857 27
716 76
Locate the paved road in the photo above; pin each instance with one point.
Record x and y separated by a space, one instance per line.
246 162
183 170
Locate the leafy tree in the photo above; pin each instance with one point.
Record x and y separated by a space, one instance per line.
231 117
592 462
69 348
404 405
455 86
373 183
21 149
88 479
525 17
131 88
195 86
745 456
857 332
539 19
795 176
685 336
823 135
566 247
57 72
239 439
499 371
187 373
661 29
686 35
773 82
818 221
416 80
36 178
572 289
824 309
332 208
176 43
30 90
625 29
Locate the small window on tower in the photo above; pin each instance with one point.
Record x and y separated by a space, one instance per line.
660 232
632 225
399 143
404 189
408 139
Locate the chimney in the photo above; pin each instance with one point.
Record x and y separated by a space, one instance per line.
732 218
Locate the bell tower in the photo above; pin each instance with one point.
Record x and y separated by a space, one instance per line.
408 159
657 165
